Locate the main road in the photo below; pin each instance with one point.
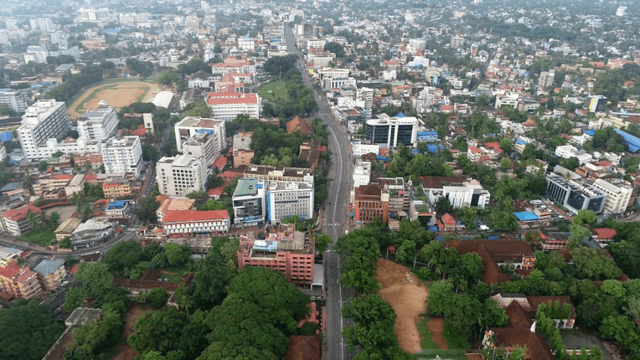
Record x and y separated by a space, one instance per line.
334 215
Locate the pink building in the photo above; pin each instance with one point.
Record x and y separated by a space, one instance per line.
285 250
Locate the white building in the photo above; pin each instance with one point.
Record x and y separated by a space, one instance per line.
246 44
358 148
99 124
568 151
226 106
193 222
190 126
43 121
93 14
180 175
122 155
201 145
618 195
289 198
15 99
361 173
36 54
460 191
390 131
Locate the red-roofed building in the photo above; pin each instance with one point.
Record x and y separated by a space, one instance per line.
446 109
474 154
448 222
226 106
19 283
18 221
220 164
140 131
603 235
300 125
193 222
215 193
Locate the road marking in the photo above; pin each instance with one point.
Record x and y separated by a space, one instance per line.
340 176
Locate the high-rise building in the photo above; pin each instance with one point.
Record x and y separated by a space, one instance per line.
392 131
190 125
618 195
44 120
621 10
288 198
122 155
457 41
99 124
460 191
201 145
180 175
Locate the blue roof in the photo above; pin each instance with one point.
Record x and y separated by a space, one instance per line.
492 237
439 238
427 133
433 228
401 115
415 151
117 204
433 148
521 142
633 143
382 158
6 136
526 216
590 132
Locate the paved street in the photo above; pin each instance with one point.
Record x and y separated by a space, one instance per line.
334 216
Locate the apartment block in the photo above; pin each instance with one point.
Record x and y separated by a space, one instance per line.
180 175
19 283
202 145
43 122
371 202
15 99
285 250
18 221
122 155
618 195
391 131
99 124
278 173
50 273
116 189
190 126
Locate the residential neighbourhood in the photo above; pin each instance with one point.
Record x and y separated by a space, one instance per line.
319 179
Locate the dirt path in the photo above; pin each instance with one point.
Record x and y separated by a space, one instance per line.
135 312
436 326
401 290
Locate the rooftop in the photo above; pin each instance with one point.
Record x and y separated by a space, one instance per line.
248 187
20 213
194 216
47 266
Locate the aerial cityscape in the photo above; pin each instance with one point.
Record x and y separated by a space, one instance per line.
319 179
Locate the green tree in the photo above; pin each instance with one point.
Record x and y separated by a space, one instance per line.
95 277
585 217
122 256
28 331
406 252
149 152
208 287
440 296
595 264
157 297
43 165
74 298
177 255
146 210
322 243
334 48
158 330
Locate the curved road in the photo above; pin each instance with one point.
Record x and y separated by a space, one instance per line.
334 216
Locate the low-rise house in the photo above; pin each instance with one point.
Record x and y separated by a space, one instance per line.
117 209
66 228
116 189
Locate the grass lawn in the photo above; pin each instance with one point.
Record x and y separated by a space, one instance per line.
41 236
426 334
173 273
455 341
274 91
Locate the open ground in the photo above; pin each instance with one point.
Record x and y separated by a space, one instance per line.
116 93
400 288
274 91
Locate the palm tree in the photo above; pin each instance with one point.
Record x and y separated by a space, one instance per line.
32 218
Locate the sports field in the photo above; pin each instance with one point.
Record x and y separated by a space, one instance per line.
116 94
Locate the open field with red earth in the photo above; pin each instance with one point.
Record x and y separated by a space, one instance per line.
116 93
135 312
402 290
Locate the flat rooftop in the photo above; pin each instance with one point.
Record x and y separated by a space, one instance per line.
247 187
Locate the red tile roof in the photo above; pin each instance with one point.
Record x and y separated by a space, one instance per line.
19 213
216 191
26 275
194 216
220 162
11 271
245 99
448 219
62 177
605 233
